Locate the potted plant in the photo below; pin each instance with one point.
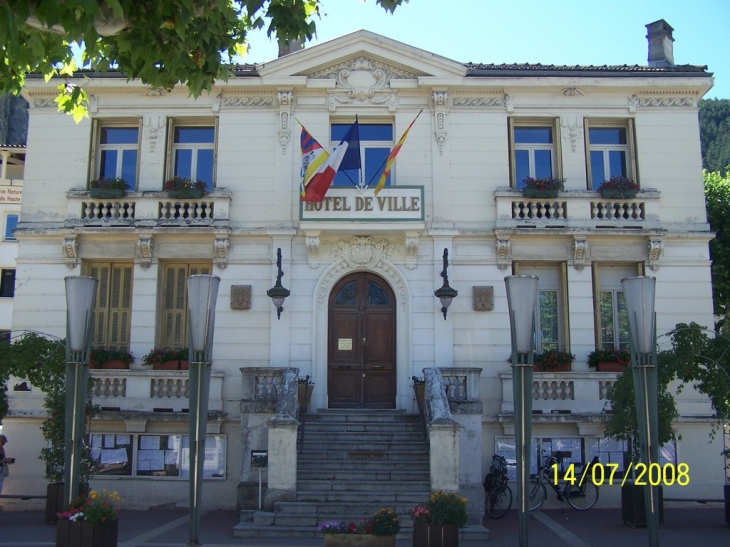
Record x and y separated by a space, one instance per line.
546 187
110 359
437 522
108 188
609 360
184 188
166 359
619 187
377 531
553 361
89 521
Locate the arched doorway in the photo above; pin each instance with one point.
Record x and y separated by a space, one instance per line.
361 351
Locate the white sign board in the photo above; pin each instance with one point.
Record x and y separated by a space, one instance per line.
393 203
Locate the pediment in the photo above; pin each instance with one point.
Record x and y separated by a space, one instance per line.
362 59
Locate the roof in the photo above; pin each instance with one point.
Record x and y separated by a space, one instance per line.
531 70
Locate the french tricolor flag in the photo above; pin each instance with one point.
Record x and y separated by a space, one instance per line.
345 156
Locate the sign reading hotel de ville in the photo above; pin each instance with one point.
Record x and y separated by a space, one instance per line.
393 203
11 194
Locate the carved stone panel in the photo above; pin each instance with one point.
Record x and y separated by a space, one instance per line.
240 297
483 298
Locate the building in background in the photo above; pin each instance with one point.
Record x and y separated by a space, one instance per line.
362 319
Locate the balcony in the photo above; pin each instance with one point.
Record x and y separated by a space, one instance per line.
577 210
148 210
149 390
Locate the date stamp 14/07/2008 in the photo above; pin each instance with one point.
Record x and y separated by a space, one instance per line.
646 475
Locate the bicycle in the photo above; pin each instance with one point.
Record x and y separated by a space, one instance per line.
498 494
580 496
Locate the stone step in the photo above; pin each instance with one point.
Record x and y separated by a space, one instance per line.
315 519
353 486
350 509
364 446
349 475
381 416
377 498
365 429
331 437
325 454
420 464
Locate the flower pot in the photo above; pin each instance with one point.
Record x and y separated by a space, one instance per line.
358 540
167 365
540 193
184 365
185 193
612 366
55 500
109 193
562 367
86 534
427 534
618 194
116 364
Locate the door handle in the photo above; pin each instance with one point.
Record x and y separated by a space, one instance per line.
378 366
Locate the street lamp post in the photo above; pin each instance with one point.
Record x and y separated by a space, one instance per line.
522 305
80 296
202 295
639 295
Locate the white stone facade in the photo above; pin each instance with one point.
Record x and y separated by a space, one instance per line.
457 157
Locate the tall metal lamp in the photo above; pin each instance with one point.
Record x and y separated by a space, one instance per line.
522 306
80 296
202 295
639 293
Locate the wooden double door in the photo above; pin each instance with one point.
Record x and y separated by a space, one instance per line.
361 343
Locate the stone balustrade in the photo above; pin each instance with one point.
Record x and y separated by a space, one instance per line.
577 209
147 210
147 391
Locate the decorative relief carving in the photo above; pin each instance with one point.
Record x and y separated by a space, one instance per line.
571 92
44 103
217 102
144 251
661 101
220 251
363 63
504 253
312 242
360 252
411 248
247 101
285 102
572 131
580 251
71 251
440 102
93 104
362 80
509 103
440 98
153 126
655 247
382 267
157 92
478 101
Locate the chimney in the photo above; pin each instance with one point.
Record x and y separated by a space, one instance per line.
661 50
289 46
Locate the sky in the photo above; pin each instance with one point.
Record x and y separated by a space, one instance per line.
558 32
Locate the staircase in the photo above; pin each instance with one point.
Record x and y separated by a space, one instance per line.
351 463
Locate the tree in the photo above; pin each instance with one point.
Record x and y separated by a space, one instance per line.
715 134
717 200
163 43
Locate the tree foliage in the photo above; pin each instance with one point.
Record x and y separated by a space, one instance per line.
717 201
163 43
715 134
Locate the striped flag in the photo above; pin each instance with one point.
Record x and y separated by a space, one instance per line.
392 155
345 156
313 156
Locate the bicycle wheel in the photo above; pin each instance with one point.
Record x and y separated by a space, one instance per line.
538 494
582 498
499 501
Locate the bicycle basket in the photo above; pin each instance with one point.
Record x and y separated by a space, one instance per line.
490 481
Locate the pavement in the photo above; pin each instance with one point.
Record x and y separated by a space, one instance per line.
684 526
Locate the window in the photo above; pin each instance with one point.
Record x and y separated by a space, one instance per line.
551 320
534 151
573 449
7 283
376 141
610 451
612 321
117 153
113 306
11 222
193 153
154 455
174 327
610 153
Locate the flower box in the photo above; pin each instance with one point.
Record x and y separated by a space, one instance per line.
86 534
358 540
540 192
167 365
108 193
613 366
428 534
561 367
185 193
115 364
618 194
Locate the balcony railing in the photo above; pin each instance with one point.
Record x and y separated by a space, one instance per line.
146 391
563 392
577 209
148 209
